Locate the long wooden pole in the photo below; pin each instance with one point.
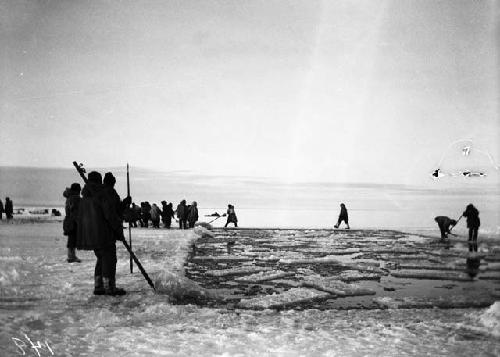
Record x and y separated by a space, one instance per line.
129 225
81 171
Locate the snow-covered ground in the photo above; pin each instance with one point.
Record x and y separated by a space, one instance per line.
44 299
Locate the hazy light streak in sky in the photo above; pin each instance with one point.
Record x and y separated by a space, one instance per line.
304 103
314 90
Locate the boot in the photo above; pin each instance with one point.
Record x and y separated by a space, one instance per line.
111 289
72 258
98 286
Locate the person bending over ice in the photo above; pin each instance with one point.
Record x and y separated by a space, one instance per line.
445 225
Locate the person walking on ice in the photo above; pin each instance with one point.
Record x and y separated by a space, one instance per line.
343 216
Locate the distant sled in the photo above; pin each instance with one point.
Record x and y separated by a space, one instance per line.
473 174
466 173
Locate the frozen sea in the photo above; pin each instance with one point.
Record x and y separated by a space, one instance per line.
270 203
47 303
45 300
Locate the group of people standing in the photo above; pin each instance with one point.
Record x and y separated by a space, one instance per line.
8 208
94 221
187 215
147 212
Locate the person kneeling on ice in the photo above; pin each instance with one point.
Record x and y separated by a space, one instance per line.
72 195
343 217
445 225
99 227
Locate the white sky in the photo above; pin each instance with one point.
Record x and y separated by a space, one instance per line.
356 91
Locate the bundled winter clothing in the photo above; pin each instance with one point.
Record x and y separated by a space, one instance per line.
192 217
167 214
145 214
473 223
445 224
182 213
343 216
9 208
72 195
231 216
155 213
99 225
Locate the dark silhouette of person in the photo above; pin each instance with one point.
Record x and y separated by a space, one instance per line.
343 216
136 214
1 209
192 217
72 204
473 223
445 225
141 214
9 208
100 225
145 214
231 216
130 215
167 214
182 213
155 213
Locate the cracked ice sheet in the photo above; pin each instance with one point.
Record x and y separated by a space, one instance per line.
143 323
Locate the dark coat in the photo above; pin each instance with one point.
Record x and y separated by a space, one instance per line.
98 223
343 213
155 213
181 211
192 214
231 216
113 211
445 222
472 215
71 208
1 207
145 210
167 213
9 207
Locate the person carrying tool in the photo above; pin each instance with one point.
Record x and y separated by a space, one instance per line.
99 226
445 225
231 216
473 223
